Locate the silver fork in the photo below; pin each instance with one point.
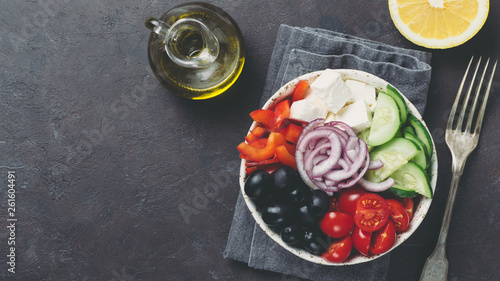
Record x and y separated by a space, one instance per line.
461 143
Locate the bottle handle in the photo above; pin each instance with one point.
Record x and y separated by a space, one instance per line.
193 53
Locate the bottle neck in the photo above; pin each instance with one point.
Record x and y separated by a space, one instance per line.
188 42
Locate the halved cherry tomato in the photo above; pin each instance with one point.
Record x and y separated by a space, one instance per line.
336 224
361 240
348 198
339 250
383 239
265 117
398 215
281 112
300 90
409 205
372 212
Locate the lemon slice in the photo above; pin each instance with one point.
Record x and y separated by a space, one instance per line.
439 24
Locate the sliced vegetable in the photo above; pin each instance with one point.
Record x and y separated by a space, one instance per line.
361 240
281 112
398 215
372 212
264 117
421 132
386 120
398 98
292 133
394 154
299 92
284 157
422 157
254 154
412 177
255 134
339 250
330 156
383 239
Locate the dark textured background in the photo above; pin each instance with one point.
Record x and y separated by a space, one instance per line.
106 158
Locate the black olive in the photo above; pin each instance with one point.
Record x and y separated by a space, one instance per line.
306 217
285 178
298 196
319 203
276 214
292 234
259 185
315 243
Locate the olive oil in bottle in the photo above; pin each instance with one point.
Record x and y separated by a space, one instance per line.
196 50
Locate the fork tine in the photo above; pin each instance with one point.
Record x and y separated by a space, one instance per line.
476 98
467 97
451 118
479 121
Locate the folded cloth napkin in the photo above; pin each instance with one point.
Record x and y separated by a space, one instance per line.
298 51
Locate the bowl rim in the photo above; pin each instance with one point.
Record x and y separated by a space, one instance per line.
421 208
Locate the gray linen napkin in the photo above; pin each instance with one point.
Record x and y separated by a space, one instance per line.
299 51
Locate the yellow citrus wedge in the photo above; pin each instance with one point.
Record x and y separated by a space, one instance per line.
439 24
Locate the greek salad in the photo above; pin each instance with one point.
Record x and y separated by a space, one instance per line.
337 167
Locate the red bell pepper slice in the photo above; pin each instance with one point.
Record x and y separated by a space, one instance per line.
292 133
260 143
265 117
255 154
261 163
299 92
256 134
270 168
281 112
285 157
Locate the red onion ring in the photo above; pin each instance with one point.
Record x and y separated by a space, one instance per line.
331 157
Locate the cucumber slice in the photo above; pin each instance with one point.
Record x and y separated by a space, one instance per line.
403 108
363 135
412 177
394 154
421 158
386 120
421 132
401 191
408 129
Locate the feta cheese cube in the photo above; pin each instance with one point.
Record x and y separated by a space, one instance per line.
356 115
331 91
361 91
307 110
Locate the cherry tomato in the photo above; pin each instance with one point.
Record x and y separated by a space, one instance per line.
372 212
408 204
398 215
339 250
383 239
348 198
361 240
336 224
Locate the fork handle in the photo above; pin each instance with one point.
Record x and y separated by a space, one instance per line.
436 265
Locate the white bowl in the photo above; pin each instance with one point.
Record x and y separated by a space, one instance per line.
422 203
